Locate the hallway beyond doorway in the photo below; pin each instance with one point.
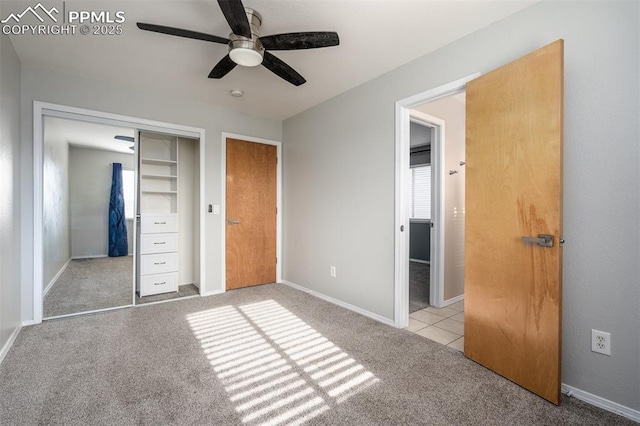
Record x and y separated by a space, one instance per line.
442 325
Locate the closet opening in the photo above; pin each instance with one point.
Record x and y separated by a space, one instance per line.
168 218
91 193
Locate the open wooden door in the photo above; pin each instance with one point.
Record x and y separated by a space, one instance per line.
251 213
513 273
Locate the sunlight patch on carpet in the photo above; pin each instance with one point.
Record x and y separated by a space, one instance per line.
275 368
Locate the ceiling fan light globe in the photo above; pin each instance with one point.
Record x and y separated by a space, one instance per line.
245 57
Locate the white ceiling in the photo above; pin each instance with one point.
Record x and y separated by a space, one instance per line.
88 135
376 36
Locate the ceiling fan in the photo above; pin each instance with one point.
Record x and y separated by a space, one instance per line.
247 47
126 139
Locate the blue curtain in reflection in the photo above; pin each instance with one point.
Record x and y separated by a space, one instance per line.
118 245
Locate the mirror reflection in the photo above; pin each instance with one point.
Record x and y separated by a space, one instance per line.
88 200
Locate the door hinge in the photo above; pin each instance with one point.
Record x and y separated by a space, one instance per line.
276 260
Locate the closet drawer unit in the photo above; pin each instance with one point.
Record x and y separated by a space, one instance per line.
158 283
158 263
154 224
158 243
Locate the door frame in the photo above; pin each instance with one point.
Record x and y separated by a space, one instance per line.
436 248
401 239
45 109
223 209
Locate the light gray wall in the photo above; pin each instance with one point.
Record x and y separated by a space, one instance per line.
451 110
56 236
10 221
196 215
66 89
339 180
187 210
90 173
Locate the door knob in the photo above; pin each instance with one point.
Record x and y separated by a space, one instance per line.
233 222
543 240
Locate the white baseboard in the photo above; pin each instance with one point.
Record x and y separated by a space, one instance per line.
453 300
29 322
211 293
426 262
342 304
53 281
95 256
600 402
7 346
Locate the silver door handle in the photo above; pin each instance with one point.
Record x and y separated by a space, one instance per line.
233 222
543 240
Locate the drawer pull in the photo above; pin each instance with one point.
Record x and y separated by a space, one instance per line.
159 223
159 263
160 243
162 283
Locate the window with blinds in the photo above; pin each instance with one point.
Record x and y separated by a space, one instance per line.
128 192
420 182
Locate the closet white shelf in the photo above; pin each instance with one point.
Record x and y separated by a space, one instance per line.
157 161
149 176
159 192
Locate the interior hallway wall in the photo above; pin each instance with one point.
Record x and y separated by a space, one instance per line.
56 235
10 208
339 173
451 110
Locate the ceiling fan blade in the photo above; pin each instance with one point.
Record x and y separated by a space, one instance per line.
234 13
222 68
297 41
282 70
181 33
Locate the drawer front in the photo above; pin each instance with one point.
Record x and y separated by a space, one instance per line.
158 263
158 223
158 243
159 283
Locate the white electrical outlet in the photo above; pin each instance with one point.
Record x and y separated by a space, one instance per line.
332 271
601 342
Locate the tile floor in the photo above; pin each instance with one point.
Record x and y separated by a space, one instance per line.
443 325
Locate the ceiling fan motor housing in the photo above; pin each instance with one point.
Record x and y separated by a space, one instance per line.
247 51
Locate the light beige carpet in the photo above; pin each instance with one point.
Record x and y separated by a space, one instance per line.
267 355
91 284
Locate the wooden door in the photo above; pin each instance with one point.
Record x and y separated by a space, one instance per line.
250 214
513 289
